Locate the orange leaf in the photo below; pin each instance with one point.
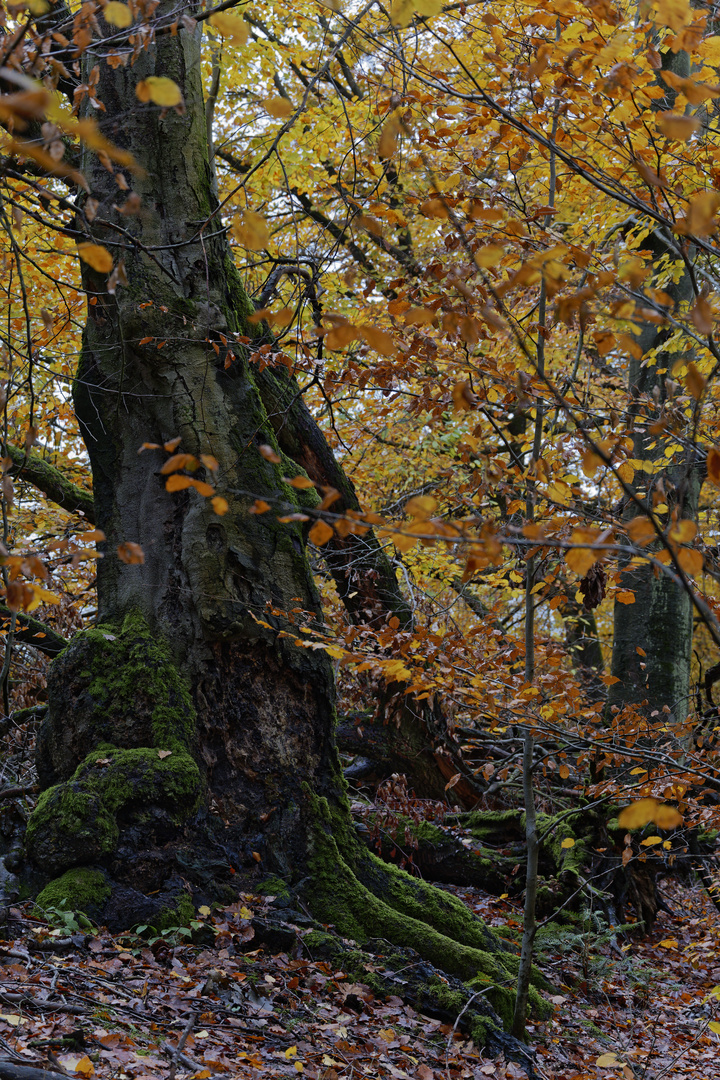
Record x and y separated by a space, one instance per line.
177 482
269 454
220 505
97 256
179 461
131 553
204 489
320 533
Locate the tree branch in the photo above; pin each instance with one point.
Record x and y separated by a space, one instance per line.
31 631
51 481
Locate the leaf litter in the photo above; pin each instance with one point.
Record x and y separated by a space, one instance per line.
92 1004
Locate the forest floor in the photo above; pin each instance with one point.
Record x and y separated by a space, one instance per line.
90 1004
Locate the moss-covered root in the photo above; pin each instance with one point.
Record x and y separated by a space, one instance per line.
405 973
78 822
363 897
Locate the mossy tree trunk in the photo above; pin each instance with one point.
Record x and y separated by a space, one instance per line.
187 739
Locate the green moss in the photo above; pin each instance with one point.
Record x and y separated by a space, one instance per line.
181 914
134 664
81 889
411 913
274 886
76 821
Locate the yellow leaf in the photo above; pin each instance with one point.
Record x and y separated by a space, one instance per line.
300 482
41 596
117 14
340 336
669 943
691 561
713 465
320 533
210 462
291 1052
160 91
231 26
204 910
12 1018
714 1026
580 559
388 138
644 811
625 596
683 532
279 107
701 214
702 316
676 126
299 1066
421 507
429 7
251 231
650 841
488 256
668 817
220 505
97 256
564 772
379 340
641 530
607 1061
568 842
638 814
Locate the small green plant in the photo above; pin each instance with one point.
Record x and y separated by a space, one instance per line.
172 935
65 919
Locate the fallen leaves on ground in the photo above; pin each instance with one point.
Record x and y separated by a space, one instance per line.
107 1006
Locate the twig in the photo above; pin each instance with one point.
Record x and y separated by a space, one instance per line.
179 1048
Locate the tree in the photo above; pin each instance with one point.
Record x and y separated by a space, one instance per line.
454 265
189 736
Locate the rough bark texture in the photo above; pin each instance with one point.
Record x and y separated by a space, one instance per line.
260 720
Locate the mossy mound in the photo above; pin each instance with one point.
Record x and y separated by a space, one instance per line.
120 687
80 821
84 888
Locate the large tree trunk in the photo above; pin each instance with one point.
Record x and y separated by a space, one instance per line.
188 738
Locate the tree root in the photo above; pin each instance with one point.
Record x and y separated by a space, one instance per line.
405 973
363 897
